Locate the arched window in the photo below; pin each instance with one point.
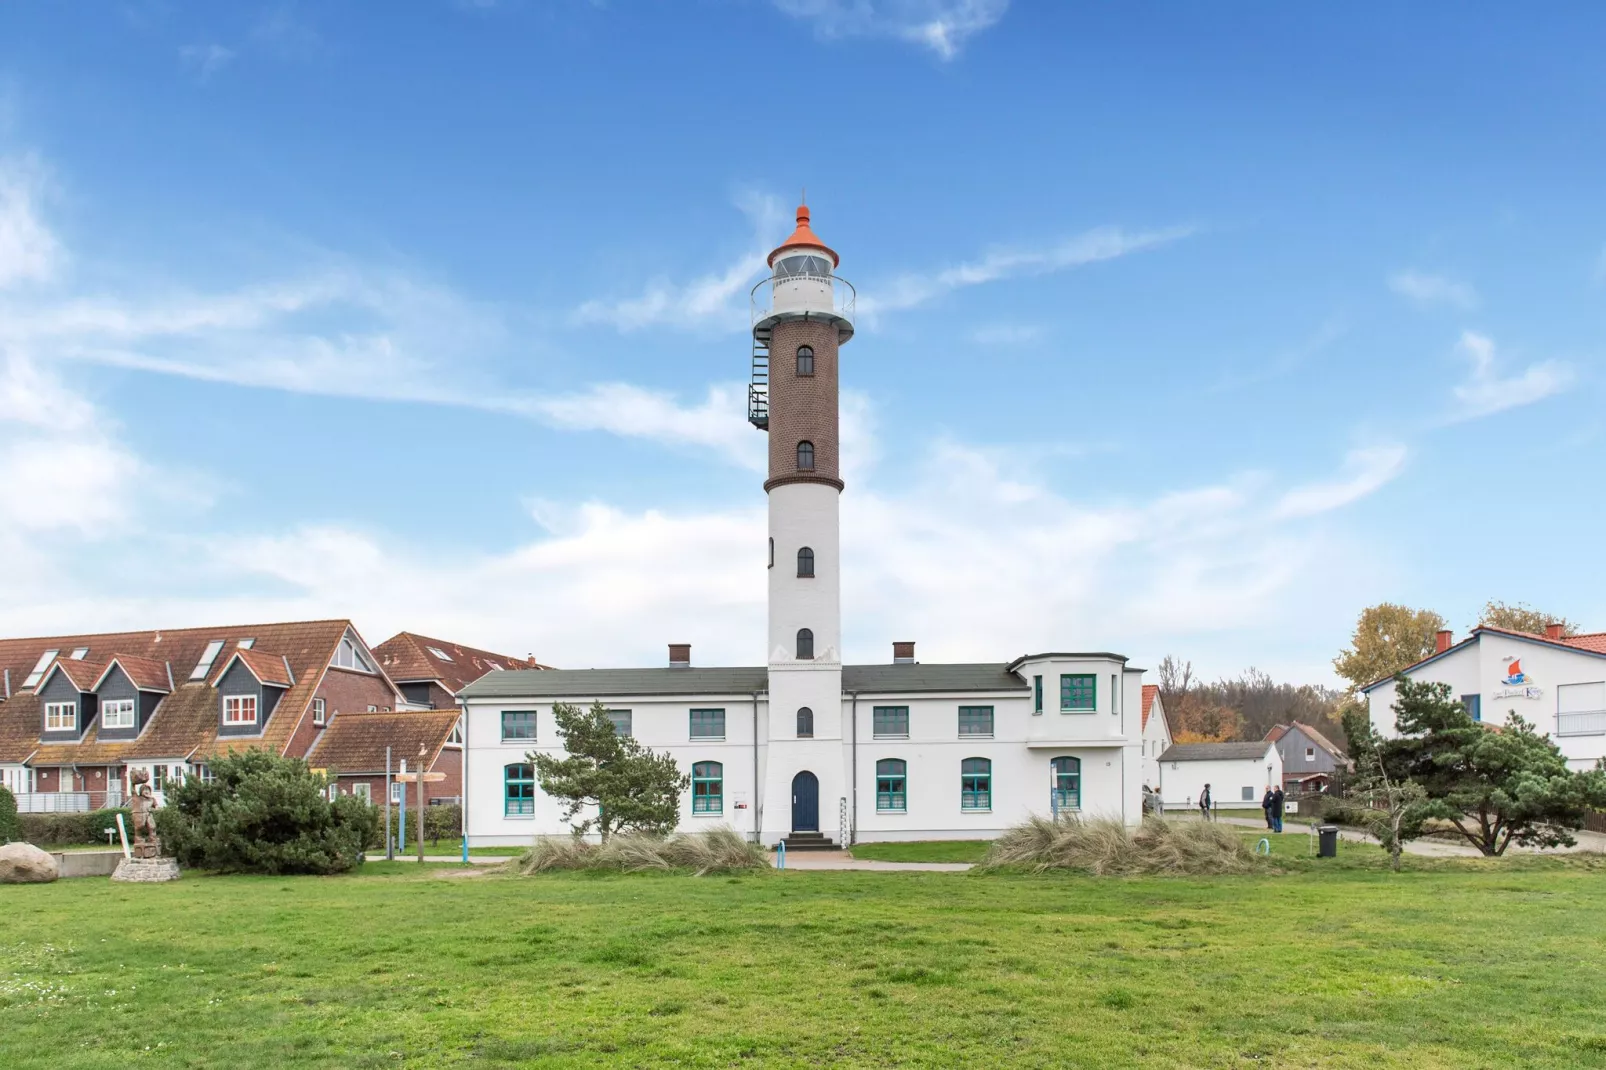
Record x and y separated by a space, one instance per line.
975 784
519 790
1067 783
805 723
805 562
707 788
805 645
805 456
891 785
805 360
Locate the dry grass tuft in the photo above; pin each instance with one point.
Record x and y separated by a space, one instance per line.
1106 847
719 850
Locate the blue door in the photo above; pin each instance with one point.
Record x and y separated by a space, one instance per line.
805 802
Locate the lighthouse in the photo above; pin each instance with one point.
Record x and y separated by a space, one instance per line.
802 315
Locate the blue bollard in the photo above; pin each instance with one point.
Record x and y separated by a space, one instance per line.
780 855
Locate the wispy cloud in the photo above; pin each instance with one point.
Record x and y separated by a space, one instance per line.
286 33
1427 289
1484 392
943 26
708 300
28 249
1365 471
205 60
1103 243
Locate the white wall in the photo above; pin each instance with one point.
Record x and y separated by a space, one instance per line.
1156 738
1482 667
1181 782
805 514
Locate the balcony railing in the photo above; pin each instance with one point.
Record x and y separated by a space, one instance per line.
1581 723
785 293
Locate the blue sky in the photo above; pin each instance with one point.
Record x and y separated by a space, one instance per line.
1183 329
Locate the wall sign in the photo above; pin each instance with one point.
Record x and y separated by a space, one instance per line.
1520 692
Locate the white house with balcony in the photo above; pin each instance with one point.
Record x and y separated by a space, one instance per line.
805 749
1553 681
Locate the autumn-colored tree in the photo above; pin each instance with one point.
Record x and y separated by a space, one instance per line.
1387 638
1521 617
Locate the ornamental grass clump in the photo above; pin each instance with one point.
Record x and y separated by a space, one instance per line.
719 850
1106 847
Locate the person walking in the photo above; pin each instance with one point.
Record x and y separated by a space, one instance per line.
1204 803
1277 802
1265 805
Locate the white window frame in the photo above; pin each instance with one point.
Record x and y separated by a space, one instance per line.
119 706
208 657
349 655
1310 754
319 712
439 653
363 791
241 700
39 669
53 713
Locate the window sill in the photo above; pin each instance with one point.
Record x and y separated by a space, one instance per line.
975 735
708 813
975 809
707 739
904 736
513 817
1078 711
517 739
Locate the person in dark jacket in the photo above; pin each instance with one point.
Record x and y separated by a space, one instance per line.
1277 802
1265 805
1204 803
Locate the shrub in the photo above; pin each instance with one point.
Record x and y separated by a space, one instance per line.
1106 847
86 828
10 827
264 814
440 823
719 850
1343 812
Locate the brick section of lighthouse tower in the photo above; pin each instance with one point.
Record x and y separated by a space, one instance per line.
803 408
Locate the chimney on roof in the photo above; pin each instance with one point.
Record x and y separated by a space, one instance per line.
1441 641
903 653
1553 632
680 655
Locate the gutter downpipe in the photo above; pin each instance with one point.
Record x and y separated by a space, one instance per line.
462 808
853 828
758 831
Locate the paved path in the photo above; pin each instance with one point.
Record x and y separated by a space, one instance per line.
844 860
1431 848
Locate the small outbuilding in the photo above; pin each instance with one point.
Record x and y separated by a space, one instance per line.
1238 773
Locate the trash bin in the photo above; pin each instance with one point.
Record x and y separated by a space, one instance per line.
1327 836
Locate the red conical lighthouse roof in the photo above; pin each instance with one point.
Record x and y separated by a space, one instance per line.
804 238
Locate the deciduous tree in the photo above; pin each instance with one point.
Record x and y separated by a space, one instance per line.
632 788
1521 617
1387 638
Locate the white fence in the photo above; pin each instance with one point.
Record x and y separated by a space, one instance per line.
66 802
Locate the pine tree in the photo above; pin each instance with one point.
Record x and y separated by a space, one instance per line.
632 788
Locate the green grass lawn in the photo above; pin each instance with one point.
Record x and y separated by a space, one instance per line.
1332 964
452 847
924 851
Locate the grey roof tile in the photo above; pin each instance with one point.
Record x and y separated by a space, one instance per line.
740 680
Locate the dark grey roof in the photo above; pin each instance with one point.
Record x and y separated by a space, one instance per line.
894 679
1204 752
592 683
868 679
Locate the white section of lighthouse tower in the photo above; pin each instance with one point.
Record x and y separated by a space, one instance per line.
802 313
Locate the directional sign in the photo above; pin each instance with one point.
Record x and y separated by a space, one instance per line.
412 778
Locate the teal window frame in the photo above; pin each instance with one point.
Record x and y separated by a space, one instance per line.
525 718
1079 692
518 789
1067 782
708 788
1037 694
707 724
889 722
975 722
892 786
975 785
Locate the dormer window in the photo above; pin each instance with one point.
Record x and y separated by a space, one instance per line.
39 668
240 709
117 713
208 656
61 716
349 656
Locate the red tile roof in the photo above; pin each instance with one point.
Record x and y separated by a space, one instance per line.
82 673
1278 731
147 674
1149 693
355 742
269 668
408 657
1595 642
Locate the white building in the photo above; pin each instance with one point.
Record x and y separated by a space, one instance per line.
1238 773
1554 682
804 744
1156 735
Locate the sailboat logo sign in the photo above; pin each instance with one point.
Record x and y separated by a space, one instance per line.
1514 674
1518 683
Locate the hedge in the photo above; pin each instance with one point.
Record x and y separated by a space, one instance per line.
10 828
83 828
440 823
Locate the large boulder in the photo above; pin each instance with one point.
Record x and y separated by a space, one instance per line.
23 863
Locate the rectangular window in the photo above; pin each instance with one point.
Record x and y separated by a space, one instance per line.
158 778
318 712
61 716
976 784
39 667
240 709
205 773
976 721
1474 705
623 722
518 725
707 788
208 656
1079 691
890 722
1310 754
1249 795
708 724
117 713
396 792
363 791
1115 697
520 790
1037 694
891 786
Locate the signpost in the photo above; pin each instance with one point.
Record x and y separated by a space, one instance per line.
413 778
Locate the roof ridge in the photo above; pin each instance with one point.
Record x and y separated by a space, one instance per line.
175 631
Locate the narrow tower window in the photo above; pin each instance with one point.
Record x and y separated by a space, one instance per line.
805 723
805 562
805 456
805 645
772 553
805 360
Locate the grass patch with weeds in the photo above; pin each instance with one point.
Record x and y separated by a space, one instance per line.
923 851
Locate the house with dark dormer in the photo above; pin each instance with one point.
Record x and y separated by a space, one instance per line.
430 672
